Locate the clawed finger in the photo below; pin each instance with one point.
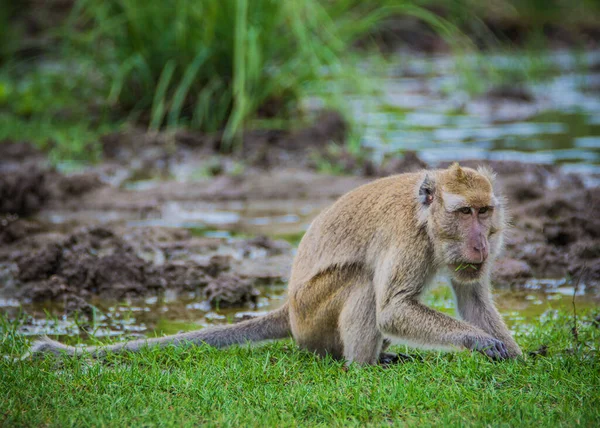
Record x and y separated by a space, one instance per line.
495 351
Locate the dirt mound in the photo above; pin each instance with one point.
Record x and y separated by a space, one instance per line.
565 234
24 191
27 184
230 290
156 151
12 228
99 262
17 151
274 148
93 261
510 92
408 162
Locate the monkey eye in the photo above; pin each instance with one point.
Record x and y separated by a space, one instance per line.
485 210
465 210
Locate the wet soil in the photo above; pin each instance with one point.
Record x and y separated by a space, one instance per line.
80 241
27 184
495 26
554 234
117 263
154 153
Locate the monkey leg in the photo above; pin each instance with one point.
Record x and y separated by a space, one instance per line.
475 305
360 336
314 312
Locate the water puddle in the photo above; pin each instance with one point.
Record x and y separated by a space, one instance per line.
173 313
218 219
157 315
520 307
558 125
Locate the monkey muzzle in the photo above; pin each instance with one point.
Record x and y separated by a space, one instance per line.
477 249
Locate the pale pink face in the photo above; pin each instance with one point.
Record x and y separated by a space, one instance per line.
466 221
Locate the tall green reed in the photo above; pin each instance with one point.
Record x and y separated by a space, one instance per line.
215 64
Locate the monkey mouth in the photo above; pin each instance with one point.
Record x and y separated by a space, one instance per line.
466 268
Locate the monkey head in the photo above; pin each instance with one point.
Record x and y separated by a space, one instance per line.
464 219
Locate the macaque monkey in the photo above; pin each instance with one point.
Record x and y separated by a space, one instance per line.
363 265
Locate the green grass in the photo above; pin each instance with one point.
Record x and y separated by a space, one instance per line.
276 384
56 107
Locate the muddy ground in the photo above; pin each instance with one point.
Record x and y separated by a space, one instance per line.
555 230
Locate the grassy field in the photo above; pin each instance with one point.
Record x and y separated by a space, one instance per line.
277 384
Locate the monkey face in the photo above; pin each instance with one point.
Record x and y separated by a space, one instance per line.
465 219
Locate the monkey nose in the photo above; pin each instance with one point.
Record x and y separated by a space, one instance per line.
482 251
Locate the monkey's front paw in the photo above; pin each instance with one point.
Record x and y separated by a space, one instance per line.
489 346
389 358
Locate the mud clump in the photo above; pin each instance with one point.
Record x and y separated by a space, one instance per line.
13 229
230 290
408 162
189 276
98 262
265 243
77 185
89 262
264 149
509 92
508 270
566 234
24 191
27 185
273 148
340 159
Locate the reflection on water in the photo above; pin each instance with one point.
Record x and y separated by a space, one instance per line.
559 124
167 314
174 313
217 219
522 306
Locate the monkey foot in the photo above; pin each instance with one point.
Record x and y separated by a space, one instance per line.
389 358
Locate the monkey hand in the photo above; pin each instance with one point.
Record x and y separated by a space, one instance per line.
487 345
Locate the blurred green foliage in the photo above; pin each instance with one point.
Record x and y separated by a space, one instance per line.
211 65
217 63
214 65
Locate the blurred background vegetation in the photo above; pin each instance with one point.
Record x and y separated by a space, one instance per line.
71 70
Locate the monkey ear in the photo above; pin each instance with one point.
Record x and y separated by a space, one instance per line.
457 171
426 190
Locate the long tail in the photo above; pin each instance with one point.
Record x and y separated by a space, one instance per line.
274 325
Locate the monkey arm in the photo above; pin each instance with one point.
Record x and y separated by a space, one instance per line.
413 321
475 305
401 315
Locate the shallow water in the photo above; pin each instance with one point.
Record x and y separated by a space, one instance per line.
172 313
165 314
275 218
428 112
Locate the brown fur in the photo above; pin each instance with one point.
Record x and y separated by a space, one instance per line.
362 266
476 188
